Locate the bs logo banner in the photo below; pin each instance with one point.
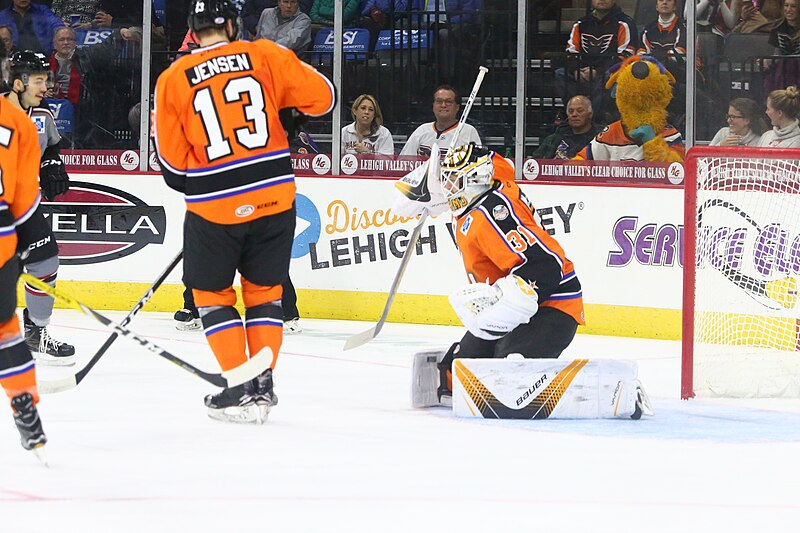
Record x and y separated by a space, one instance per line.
95 223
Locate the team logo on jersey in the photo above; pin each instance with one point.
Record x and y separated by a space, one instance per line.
94 223
465 226
601 44
500 212
39 122
244 211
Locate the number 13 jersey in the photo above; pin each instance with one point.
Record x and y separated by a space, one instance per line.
217 132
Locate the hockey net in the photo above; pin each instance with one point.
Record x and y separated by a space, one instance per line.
741 318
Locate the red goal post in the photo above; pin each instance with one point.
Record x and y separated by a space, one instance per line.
741 318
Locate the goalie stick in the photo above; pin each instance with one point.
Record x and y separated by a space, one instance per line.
230 378
364 337
69 382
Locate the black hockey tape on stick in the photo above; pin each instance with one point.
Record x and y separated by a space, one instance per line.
364 337
236 376
69 382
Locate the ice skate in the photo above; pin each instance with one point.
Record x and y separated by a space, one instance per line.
187 320
26 417
235 404
46 349
292 327
265 395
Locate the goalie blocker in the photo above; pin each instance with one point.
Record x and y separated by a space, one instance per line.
527 389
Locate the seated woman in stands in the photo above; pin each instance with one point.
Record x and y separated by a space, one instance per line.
745 124
783 108
786 40
367 134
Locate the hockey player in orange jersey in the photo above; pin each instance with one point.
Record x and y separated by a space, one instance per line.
221 142
19 189
525 296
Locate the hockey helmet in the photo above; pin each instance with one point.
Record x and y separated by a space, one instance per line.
26 62
206 14
467 173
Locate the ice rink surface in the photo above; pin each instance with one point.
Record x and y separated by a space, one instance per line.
131 449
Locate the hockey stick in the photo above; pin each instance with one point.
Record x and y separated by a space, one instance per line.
60 385
230 378
364 337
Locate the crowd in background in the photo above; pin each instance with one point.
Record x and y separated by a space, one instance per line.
95 50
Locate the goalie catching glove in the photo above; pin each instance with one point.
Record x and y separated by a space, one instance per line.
491 311
53 176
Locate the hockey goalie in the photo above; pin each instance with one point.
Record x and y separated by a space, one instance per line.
524 298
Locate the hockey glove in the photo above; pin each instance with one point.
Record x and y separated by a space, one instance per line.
291 119
491 311
53 177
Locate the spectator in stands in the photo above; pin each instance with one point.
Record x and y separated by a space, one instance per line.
455 24
786 40
32 25
377 15
367 134
63 63
571 137
745 124
8 39
322 13
665 39
129 15
5 63
252 9
717 17
445 110
783 108
597 41
759 16
286 25
65 9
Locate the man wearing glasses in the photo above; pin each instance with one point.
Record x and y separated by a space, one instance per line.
445 109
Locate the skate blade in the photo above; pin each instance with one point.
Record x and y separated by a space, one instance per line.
40 454
249 414
50 360
188 326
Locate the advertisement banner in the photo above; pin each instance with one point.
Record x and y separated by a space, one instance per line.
626 241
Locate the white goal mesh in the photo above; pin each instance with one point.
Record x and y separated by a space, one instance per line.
744 339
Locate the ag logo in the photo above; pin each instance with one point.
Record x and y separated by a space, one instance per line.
129 159
530 169
94 223
309 226
349 164
321 164
675 173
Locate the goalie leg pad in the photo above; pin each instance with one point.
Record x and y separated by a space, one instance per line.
546 388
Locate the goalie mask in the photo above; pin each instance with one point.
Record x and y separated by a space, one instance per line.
467 173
